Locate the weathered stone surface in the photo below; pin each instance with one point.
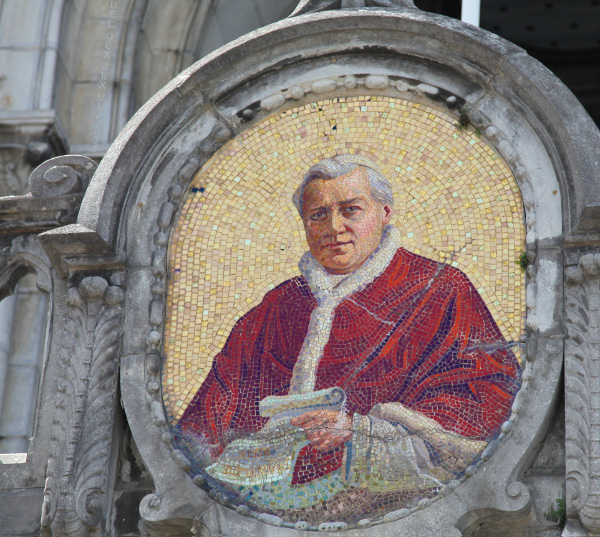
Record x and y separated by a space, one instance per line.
74 247
20 511
583 390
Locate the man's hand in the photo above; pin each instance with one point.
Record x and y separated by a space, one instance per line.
326 429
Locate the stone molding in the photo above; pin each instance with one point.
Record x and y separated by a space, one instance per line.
77 490
74 249
582 390
57 188
74 432
26 214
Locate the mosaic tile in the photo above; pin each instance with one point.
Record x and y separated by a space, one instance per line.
360 377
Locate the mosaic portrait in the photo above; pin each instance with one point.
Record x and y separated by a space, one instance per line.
345 314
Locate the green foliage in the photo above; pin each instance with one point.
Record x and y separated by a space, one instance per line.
463 118
464 121
559 515
523 261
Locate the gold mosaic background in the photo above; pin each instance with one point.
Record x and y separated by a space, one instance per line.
238 234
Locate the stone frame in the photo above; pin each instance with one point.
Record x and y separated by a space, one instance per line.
230 103
125 217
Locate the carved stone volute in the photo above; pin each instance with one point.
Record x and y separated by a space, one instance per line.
61 176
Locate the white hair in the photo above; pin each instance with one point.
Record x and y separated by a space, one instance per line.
330 168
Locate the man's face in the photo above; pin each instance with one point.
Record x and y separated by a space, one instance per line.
343 223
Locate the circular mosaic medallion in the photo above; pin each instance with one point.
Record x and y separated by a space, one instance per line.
321 395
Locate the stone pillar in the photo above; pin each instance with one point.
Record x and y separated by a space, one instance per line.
78 481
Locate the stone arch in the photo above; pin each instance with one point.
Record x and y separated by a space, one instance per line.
35 27
25 272
25 257
171 37
115 55
93 74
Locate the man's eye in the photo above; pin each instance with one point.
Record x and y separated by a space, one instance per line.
320 215
351 210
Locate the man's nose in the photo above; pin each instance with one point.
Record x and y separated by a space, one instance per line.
336 222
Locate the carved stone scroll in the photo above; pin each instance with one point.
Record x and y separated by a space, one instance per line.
75 496
61 176
582 391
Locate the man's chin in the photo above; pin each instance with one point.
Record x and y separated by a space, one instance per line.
337 266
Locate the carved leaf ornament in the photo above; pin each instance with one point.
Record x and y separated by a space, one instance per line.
74 498
582 388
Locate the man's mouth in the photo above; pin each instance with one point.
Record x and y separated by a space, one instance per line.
333 245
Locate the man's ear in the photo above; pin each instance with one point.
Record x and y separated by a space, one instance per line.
387 214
